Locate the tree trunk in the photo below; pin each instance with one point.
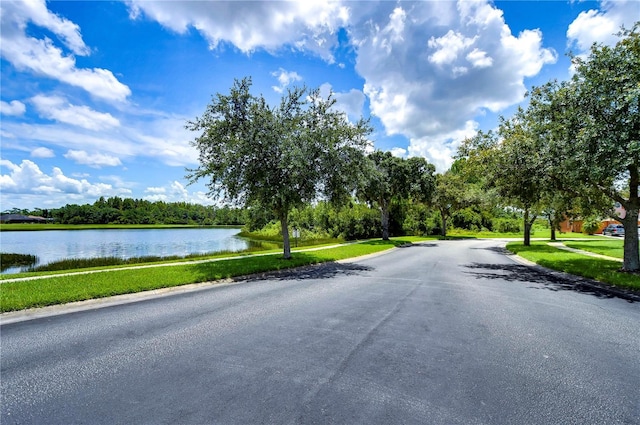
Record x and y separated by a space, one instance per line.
527 227
284 222
631 257
444 225
552 225
385 222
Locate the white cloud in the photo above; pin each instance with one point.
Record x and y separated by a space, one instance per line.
176 192
440 149
161 137
27 179
427 80
43 57
285 78
351 102
155 190
305 25
15 108
479 59
398 152
600 26
57 108
96 160
448 47
42 153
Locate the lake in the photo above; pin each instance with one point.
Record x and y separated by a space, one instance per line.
54 245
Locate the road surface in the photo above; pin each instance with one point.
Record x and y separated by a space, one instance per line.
449 332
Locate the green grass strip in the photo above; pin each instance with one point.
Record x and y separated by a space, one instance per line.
577 264
611 248
63 289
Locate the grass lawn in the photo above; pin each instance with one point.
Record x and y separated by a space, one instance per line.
577 264
63 289
608 247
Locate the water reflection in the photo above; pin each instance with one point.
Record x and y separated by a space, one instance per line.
55 245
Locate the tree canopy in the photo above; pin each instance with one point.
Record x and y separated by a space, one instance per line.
592 124
278 157
388 178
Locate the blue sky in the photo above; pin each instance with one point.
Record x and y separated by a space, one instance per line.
95 94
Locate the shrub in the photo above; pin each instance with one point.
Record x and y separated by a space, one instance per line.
590 225
9 260
506 225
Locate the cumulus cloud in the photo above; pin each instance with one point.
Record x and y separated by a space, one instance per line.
14 108
305 25
26 178
432 67
96 160
41 56
57 108
284 78
176 192
601 26
351 102
161 137
447 48
42 153
398 152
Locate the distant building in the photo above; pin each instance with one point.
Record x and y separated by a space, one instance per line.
20 218
568 226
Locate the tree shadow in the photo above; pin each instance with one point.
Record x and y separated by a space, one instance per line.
545 279
326 270
497 249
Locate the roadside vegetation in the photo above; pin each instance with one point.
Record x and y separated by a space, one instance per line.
51 290
577 264
9 260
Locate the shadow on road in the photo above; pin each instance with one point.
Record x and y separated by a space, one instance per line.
421 245
496 249
549 281
318 271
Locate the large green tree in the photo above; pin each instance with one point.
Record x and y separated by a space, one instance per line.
389 178
456 189
511 163
592 124
277 157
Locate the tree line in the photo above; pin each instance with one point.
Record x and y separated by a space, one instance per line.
116 210
575 149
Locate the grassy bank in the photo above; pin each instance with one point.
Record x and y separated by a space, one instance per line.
577 264
63 289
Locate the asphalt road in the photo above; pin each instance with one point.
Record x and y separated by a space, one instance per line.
450 332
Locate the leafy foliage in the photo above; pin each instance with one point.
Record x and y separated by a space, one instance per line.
389 179
277 158
116 210
593 126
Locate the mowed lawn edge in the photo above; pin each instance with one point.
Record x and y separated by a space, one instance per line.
54 289
602 270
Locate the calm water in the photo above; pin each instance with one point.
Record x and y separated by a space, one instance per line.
53 245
